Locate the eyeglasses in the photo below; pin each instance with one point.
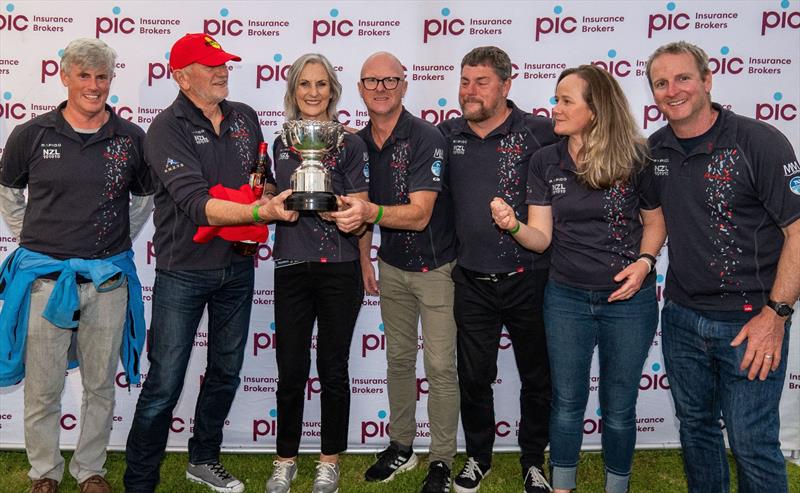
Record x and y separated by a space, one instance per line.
389 83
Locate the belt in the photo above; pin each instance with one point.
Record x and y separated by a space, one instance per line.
495 277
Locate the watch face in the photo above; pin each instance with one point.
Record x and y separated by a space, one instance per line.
782 309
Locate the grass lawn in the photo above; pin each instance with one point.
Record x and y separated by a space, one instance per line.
653 472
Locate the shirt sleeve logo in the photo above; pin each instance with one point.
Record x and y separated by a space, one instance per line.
794 185
438 154
436 168
172 165
792 168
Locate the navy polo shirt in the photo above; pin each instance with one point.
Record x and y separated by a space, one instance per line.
725 203
412 159
596 233
310 238
495 166
78 191
187 158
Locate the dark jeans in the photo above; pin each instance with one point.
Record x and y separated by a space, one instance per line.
578 320
331 294
706 384
179 298
482 308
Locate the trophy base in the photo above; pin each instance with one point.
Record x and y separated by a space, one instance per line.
311 201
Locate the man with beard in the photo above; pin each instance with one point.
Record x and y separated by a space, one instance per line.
406 156
497 282
197 142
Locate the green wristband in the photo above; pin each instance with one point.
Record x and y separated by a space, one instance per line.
256 217
515 229
379 216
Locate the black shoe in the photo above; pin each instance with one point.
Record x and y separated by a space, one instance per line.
535 482
438 478
390 462
469 479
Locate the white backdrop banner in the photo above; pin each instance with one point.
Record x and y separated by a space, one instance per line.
755 50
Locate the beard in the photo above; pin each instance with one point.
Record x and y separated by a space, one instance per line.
482 113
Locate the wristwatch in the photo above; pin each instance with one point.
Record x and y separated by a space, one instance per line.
781 308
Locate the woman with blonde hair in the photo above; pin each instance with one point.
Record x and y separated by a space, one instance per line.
589 197
317 278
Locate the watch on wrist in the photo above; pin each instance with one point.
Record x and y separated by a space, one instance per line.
781 308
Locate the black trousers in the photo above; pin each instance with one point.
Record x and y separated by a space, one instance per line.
482 307
331 294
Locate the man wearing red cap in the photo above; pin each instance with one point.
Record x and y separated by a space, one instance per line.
200 141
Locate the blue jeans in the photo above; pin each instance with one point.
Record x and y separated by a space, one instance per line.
706 385
179 298
577 320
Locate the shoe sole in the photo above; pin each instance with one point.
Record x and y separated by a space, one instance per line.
221 489
461 489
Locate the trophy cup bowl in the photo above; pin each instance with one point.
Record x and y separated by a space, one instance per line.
311 182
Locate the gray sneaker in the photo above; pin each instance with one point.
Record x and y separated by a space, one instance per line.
215 477
327 480
283 473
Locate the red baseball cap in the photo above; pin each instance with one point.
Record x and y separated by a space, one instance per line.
198 48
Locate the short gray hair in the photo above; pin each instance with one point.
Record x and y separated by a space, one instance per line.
293 77
89 53
491 56
677 48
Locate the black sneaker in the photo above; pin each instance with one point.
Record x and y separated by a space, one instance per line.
535 482
390 462
438 478
469 479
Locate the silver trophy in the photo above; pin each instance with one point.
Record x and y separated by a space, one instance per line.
311 182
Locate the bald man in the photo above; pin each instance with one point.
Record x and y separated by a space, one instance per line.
413 210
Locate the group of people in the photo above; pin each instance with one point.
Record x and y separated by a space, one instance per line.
497 218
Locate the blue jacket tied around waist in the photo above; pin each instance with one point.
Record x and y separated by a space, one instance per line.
24 266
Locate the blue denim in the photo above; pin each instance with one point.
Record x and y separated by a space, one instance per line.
577 320
706 385
179 298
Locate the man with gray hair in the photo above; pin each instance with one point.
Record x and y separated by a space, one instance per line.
497 282
729 187
87 180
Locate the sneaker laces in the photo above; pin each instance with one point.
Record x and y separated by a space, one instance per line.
471 469
536 478
326 473
281 470
388 456
219 471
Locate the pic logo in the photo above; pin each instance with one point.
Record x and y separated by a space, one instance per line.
652 115
555 25
223 27
777 110
593 425
266 427
265 340
725 64
423 387
114 25
442 27
770 19
158 70
670 21
654 381
264 252
545 111
321 28
617 68
11 22
373 342
68 421
11 110
438 115
502 429
375 429
272 73
124 112
313 387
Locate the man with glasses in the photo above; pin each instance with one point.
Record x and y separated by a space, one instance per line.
413 209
